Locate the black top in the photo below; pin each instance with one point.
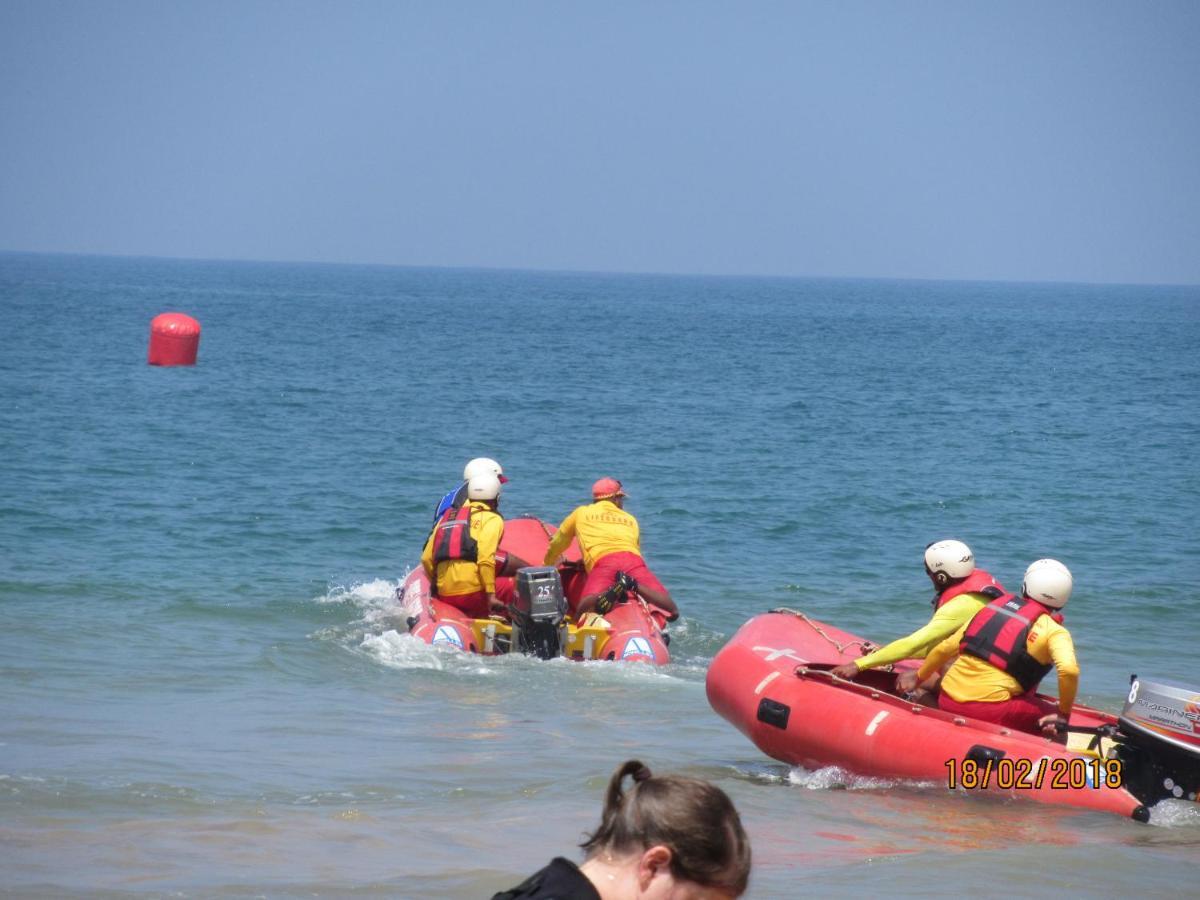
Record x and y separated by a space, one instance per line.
561 880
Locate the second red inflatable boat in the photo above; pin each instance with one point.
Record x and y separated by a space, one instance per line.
772 681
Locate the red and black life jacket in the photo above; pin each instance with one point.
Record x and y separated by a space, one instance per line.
998 634
452 540
978 582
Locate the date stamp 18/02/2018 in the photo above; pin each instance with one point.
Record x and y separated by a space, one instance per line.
1058 773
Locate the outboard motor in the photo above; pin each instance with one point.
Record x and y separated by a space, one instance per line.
1159 741
538 612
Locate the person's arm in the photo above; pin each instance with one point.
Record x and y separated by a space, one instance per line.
940 655
487 542
561 540
1062 654
945 621
427 555
1062 651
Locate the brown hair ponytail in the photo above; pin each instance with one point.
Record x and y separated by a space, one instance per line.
695 820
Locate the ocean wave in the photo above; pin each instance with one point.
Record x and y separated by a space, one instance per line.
58 794
364 594
375 600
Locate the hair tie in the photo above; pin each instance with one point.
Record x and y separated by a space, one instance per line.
642 774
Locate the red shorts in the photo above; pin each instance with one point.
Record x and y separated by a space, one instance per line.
1021 712
476 605
604 573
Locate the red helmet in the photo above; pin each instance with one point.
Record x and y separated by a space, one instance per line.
607 488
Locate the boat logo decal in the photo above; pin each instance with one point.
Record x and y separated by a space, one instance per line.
637 646
773 653
875 721
446 634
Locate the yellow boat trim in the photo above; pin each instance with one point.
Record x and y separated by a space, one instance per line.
586 640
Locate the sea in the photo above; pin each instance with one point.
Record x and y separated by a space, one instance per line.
205 685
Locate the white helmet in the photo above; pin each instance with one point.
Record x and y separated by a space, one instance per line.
484 487
1048 582
481 465
954 558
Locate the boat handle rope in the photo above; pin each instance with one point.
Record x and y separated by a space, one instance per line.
866 646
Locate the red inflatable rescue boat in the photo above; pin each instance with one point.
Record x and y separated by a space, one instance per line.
772 681
542 622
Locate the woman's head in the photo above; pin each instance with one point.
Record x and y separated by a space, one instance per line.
683 834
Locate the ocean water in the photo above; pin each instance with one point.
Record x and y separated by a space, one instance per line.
203 688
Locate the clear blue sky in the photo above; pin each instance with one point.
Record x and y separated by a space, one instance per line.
958 139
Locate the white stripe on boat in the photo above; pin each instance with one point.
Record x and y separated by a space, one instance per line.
762 685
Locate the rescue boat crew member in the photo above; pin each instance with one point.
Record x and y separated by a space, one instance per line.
462 554
455 498
611 543
961 589
1005 651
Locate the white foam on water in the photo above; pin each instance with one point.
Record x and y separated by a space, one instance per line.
1175 814
835 777
376 598
373 633
403 651
25 779
1166 814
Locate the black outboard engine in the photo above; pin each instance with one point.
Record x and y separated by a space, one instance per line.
538 612
1159 741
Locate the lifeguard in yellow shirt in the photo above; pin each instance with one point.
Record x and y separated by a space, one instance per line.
962 590
1005 651
460 556
610 540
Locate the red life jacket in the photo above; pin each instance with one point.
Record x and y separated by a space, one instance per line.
453 540
998 634
978 582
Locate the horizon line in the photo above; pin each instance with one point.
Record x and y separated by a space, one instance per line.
592 272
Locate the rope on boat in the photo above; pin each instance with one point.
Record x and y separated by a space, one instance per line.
865 646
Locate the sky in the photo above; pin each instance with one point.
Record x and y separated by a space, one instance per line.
965 139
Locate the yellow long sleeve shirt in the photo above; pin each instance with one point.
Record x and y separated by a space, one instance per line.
948 618
456 577
602 528
971 679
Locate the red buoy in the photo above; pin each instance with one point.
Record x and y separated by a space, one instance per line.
174 340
